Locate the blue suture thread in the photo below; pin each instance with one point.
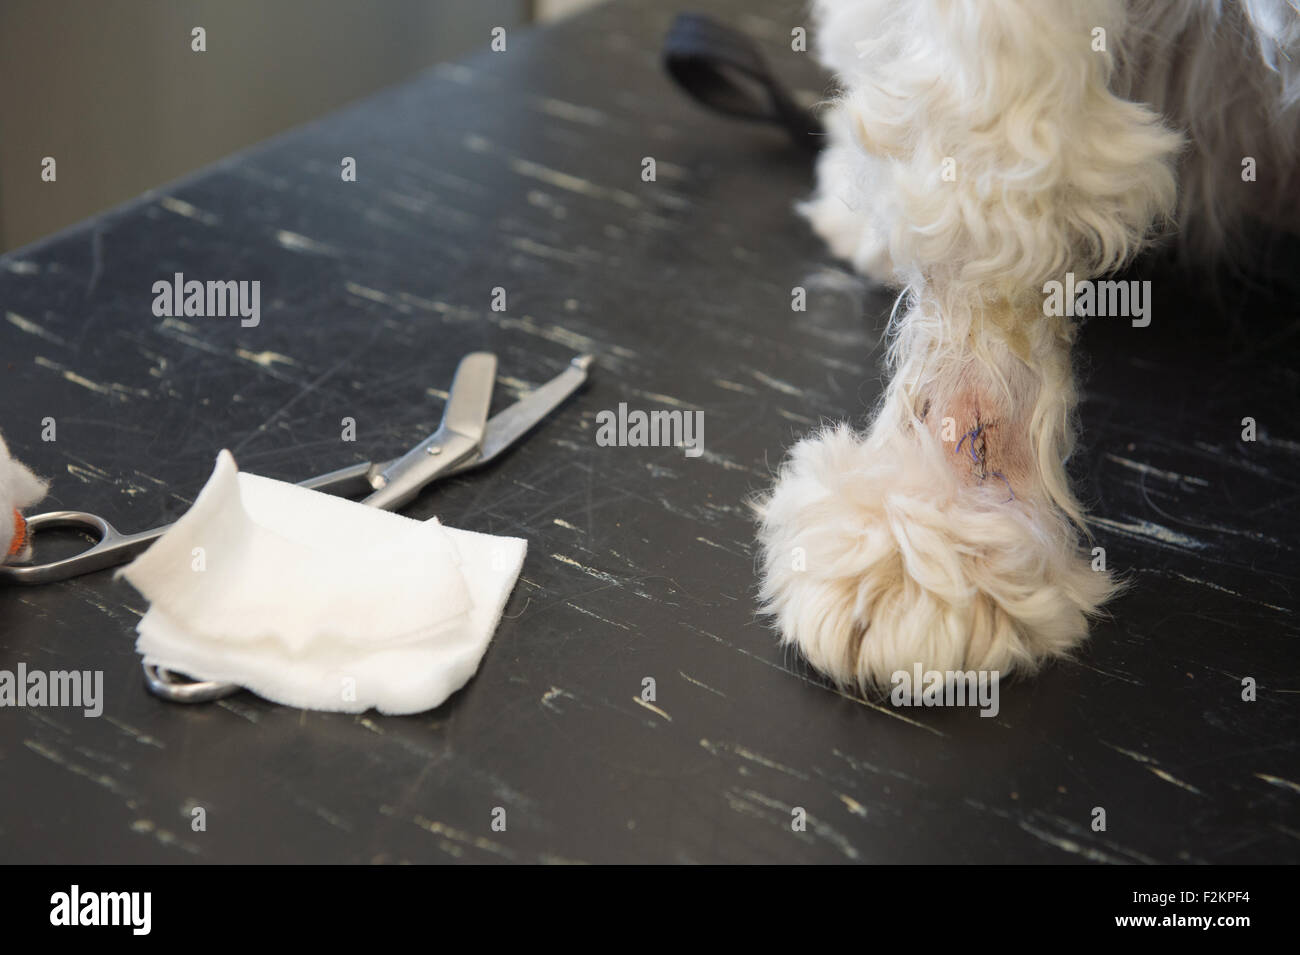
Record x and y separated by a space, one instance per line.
974 433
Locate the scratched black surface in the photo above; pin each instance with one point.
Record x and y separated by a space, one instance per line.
522 170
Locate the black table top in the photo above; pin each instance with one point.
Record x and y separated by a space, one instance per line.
523 171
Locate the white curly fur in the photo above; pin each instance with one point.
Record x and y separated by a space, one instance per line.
948 534
19 488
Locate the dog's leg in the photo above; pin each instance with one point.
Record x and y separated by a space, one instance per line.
943 536
848 215
993 159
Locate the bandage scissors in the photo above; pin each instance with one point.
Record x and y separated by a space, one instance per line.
465 439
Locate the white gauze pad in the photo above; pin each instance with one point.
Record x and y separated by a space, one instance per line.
319 602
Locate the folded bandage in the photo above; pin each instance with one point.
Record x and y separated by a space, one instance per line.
319 602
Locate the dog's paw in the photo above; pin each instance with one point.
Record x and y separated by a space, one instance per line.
880 555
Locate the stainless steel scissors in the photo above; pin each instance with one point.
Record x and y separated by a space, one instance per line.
465 439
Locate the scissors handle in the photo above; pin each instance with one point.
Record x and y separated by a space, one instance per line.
178 688
348 481
111 548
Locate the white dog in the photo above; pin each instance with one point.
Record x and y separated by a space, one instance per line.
980 150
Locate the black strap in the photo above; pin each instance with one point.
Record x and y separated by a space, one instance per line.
723 69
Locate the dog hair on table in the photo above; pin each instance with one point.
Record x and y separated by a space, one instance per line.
19 488
1075 132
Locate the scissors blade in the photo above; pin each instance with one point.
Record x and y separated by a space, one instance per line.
503 430
460 436
521 417
470 398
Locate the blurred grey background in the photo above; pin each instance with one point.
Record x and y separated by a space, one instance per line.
112 90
